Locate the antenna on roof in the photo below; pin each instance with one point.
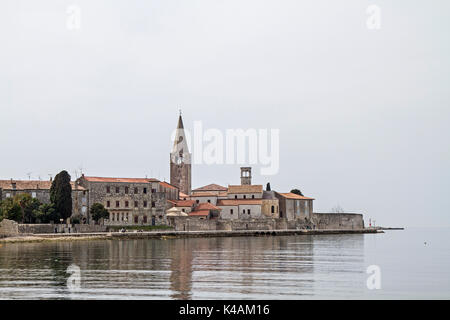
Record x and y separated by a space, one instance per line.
29 175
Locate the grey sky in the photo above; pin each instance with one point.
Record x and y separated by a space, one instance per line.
364 115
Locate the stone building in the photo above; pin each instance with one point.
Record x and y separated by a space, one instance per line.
270 205
41 190
180 161
130 201
294 206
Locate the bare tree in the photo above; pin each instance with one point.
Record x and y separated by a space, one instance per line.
337 209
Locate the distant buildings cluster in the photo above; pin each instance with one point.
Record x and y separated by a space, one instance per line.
147 201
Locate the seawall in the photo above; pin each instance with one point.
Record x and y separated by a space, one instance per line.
176 234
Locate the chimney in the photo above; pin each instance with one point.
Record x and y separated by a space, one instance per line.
13 184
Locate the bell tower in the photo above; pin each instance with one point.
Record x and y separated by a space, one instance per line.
180 161
246 175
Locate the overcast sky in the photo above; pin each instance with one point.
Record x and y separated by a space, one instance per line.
364 115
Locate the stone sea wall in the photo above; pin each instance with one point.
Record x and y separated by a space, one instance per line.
320 221
348 221
12 228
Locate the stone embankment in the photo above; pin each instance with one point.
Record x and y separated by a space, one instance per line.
175 234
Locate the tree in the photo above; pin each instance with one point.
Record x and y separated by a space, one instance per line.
28 206
297 191
10 209
61 195
98 211
46 213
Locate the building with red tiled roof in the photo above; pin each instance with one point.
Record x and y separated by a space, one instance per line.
294 196
206 206
40 190
210 188
202 214
240 208
119 180
182 196
130 201
242 189
294 206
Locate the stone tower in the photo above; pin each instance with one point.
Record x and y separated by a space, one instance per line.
180 161
246 175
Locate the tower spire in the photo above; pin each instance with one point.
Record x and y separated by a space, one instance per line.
180 122
180 160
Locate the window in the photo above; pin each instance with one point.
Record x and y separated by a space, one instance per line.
253 196
117 204
145 219
235 196
108 189
136 190
243 211
8 195
136 204
126 204
231 211
153 190
84 210
117 189
197 201
145 190
245 197
209 201
248 211
273 209
108 204
33 195
145 204
153 204
184 210
126 190
136 219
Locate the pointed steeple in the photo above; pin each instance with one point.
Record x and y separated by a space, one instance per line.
180 146
180 122
180 160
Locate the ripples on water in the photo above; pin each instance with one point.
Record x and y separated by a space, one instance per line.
291 267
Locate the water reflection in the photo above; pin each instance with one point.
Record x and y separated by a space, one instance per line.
200 268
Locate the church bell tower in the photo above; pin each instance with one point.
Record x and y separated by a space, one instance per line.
180 161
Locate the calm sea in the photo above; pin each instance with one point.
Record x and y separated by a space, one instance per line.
414 263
